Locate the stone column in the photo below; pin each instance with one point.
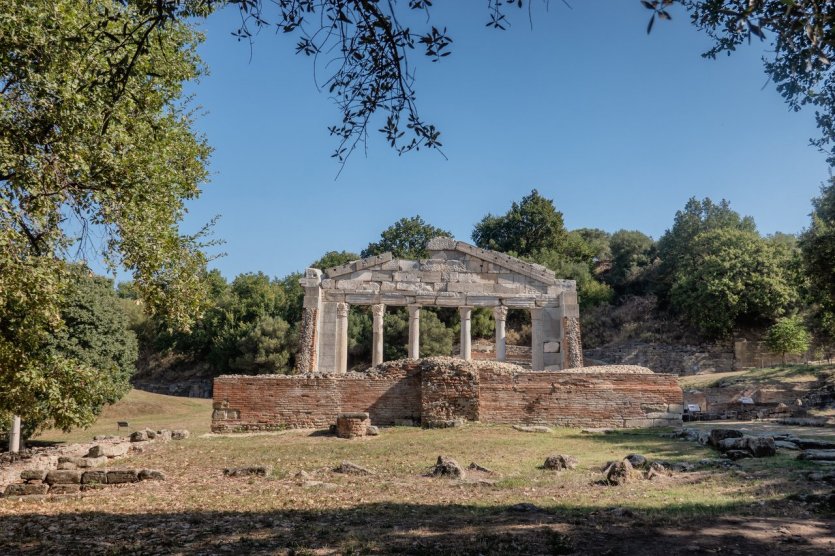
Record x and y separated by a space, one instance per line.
342 337
537 341
307 360
14 435
378 311
414 331
466 334
500 316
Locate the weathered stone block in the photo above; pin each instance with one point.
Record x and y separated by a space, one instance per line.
552 347
66 477
94 478
25 489
33 474
64 489
151 475
180 434
108 450
117 476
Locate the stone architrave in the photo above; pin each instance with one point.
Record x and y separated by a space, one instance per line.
466 333
414 331
378 311
500 318
342 337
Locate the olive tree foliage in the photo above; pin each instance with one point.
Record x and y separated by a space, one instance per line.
730 277
788 336
817 244
94 134
405 239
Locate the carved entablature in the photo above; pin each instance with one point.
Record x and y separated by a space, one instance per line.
455 274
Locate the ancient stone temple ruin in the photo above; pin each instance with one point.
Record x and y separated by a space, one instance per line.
439 391
456 274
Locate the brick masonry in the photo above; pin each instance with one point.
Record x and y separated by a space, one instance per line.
439 390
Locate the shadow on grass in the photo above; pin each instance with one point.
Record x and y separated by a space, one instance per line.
387 528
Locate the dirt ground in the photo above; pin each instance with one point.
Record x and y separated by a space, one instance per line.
760 507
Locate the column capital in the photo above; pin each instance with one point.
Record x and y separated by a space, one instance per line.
342 310
465 310
413 309
500 312
378 310
536 314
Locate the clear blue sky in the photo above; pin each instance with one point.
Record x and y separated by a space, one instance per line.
618 127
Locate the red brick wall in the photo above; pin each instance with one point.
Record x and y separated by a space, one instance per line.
273 402
579 400
395 393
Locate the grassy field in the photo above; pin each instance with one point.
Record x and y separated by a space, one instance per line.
304 507
143 409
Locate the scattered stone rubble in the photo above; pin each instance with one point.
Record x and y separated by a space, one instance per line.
251 471
559 462
446 467
735 445
350 468
70 474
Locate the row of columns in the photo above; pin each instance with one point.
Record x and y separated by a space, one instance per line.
378 311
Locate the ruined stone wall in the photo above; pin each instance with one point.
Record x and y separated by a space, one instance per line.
440 390
275 402
666 358
585 399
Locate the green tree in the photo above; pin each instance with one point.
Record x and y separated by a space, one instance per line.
265 347
817 246
633 254
405 239
788 336
530 226
95 354
730 277
93 123
676 244
334 258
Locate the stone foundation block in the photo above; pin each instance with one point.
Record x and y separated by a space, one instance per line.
118 476
352 425
25 489
108 450
94 478
63 477
64 489
33 474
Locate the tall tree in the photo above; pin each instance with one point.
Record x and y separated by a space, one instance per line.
94 133
633 254
405 239
817 244
530 226
787 336
730 277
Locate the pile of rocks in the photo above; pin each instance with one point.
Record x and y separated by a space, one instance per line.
71 481
734 444
636 467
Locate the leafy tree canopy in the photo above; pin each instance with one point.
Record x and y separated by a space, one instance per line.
531 225
334 258
788 336
729 277
633 253
405 239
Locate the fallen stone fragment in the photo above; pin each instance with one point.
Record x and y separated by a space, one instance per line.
372 430
152 435
251 471
715 436
532 428
559 462
117 476
814 444
164 435
446 467
657 471
476 467
94 478
180 434
65 477
139 436
760 446
64 489
637 460
33 474
25 489
151 475
820 455
786 445
351 468
303 475
621 472
104 437
738 454
108 450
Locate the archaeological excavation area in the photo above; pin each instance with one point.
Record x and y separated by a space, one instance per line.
443 391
